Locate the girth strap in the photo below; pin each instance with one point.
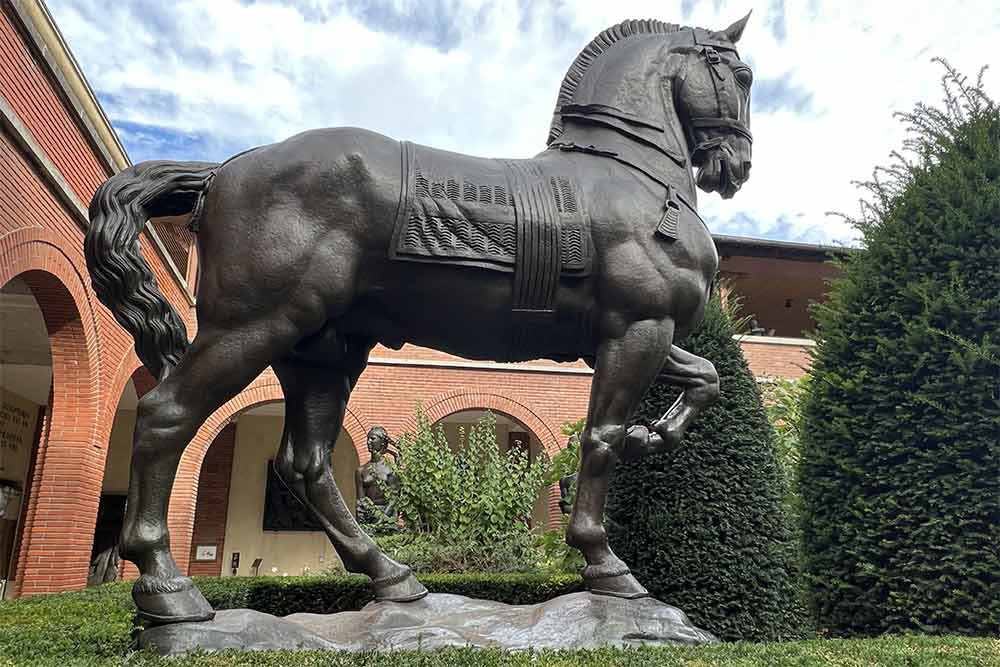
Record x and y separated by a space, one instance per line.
536 272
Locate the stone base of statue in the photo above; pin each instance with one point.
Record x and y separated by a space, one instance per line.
577 620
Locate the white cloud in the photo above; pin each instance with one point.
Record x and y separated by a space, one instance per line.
233 74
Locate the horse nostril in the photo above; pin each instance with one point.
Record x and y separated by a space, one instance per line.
746 168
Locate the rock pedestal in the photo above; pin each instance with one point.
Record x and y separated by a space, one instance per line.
578 620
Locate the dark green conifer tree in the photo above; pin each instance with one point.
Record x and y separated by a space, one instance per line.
900 472
704 528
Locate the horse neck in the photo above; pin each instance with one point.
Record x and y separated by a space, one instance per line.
593 136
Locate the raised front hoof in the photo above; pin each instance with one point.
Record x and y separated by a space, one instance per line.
616 584
403 587
176 600
639 442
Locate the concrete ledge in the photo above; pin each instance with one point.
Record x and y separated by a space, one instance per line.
774 340
479 365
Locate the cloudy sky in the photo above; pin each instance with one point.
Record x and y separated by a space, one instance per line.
203 79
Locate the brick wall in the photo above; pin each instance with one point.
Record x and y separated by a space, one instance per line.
213 502
30 90
786 358
41 241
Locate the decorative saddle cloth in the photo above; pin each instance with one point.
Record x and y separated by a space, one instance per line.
502 215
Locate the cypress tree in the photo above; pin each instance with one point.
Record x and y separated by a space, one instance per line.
704 528
900 468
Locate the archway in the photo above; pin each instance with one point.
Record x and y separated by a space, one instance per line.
25 387
64 480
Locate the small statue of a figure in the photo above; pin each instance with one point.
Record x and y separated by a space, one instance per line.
567 492
373 476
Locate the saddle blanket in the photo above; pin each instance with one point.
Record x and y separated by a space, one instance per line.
501 215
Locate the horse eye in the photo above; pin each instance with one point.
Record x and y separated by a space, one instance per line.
743 76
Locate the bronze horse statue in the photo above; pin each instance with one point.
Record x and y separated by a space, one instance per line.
315 249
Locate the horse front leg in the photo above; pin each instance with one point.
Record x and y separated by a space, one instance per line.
700 383
625 368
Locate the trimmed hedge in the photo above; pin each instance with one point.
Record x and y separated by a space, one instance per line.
705 528
96 623
327 595
900 476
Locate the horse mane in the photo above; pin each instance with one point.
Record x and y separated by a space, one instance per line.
605 40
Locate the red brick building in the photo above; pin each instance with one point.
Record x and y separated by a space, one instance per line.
69 378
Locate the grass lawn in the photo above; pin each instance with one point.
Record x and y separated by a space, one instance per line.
95 627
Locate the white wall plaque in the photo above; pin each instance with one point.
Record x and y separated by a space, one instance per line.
205 553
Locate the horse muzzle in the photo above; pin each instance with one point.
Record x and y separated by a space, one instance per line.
721 169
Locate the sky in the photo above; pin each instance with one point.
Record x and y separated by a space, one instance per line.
205 79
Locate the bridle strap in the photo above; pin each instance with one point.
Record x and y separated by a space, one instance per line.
716 72
728 123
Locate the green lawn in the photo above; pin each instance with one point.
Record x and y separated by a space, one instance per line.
95 627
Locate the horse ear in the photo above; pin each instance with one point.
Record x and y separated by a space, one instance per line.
735 31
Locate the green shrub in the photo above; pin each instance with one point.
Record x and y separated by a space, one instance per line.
704 528
900 474
466 509
554 554
91 624
567 460
442 552
783 401
476 492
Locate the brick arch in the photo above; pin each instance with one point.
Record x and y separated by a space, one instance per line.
129 368
458 400
65 484
263 391
183 500
33 250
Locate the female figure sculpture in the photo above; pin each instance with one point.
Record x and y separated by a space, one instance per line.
372 477
317 248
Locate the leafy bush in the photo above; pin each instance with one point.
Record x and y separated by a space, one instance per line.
901 454
443 552
705 528
567 460
465 509
783 401
554 555
477 491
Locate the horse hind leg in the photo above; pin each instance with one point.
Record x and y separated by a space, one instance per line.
315 402
218 364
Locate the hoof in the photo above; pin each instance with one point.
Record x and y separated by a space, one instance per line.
616 584
402 587
163 601
639 442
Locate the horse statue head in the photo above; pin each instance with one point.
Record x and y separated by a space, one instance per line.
680 91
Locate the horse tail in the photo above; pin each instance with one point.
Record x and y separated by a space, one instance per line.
122 279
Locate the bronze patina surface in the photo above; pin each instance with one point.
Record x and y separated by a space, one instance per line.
316 248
